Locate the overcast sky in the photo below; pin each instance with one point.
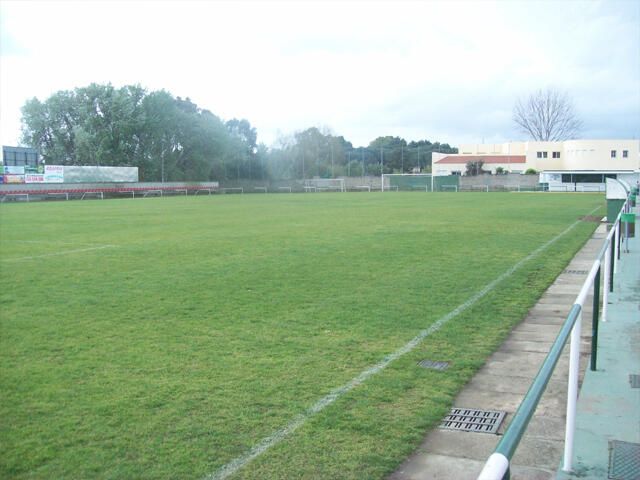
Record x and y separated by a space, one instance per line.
446 71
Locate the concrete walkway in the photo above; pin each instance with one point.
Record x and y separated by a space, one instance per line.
501 385
608 407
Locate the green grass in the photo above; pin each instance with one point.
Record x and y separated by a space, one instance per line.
214 321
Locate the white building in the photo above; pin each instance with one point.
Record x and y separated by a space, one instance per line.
572 165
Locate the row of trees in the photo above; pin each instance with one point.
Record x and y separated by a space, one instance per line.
316 153
169 138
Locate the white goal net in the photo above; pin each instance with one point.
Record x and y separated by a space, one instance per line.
324 184
407 182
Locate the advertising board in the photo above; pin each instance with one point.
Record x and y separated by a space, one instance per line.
14 170
53 174
34 178
9 178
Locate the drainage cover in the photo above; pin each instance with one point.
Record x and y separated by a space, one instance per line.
434 365
576 272
624 460
634 380
473 420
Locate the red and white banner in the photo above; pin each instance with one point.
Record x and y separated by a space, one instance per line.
34 178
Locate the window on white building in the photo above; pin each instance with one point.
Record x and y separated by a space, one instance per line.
542 154
625 153
556 155
613 154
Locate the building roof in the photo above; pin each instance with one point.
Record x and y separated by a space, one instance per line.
485 158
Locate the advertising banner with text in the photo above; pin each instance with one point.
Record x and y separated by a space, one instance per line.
34 178
53 174
8 178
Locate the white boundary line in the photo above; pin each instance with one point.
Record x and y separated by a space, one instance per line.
51 242
67 252
300 419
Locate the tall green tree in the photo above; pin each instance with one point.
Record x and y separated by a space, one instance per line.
167 138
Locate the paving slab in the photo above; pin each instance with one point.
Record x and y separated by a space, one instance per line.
438 467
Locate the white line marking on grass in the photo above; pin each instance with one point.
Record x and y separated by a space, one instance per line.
66 252
279 435
51 242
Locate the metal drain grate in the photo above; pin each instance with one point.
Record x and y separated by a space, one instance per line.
473 420
624 460
634 380
576 272
434 365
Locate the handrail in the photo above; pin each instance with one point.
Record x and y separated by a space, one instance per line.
497 465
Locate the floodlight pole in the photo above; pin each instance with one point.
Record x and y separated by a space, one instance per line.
348 164
402 158
332 174
381 170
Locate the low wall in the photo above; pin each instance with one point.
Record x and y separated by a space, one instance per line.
296 185
496 181
43 187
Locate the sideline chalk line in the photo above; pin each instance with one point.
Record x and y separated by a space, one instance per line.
66 252
51 242
279 435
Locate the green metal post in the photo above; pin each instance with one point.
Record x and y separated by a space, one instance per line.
612 262
594 324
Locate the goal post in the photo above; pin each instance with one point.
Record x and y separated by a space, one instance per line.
407 182
324 184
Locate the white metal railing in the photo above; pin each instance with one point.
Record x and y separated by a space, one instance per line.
497 465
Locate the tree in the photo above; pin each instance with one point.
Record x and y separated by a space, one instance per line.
547 116
475 168
167 138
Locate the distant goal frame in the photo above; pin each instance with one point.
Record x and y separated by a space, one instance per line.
384 188
324 185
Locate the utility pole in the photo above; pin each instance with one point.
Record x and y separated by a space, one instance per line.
402 158
348 164
332 174
381 170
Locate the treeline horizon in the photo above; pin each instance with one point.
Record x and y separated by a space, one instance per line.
172 139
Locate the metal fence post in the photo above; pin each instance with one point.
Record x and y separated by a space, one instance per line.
572 393
606 288
594 324
612 262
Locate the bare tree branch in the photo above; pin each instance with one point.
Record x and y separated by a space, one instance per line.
547 115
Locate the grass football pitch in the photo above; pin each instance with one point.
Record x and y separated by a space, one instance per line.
176 337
